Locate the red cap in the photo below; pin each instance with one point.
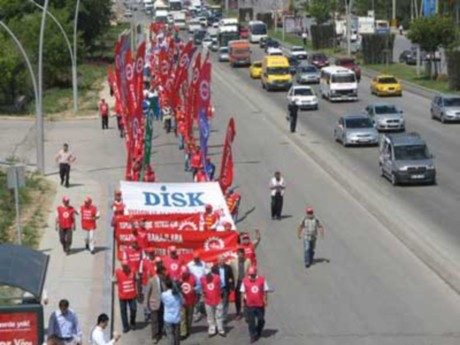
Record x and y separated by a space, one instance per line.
208 207
65 199
117 193
228 226
252 270
172 249
196 255
245 236
309 210
88 200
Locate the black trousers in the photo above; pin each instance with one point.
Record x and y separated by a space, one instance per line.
105 122
64 173
238 297
277 205
65 237
293 121
157 322
256 321
124 304
120 126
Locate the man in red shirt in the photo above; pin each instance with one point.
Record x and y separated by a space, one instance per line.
104 113
173 263
188 287
210 219
118 207
133 255
250 246
125 279
89 215
233 202
195 160
255 294
211 287
200 176
65 223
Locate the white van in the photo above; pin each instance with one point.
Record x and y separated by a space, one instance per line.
228 22
257 30
338 84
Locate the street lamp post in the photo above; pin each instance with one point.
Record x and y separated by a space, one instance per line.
74 65
348 7
72 57
38 117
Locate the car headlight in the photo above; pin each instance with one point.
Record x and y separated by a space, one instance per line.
450 113
403 168
314 99
430 167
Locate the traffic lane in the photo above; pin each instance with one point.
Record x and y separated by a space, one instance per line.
441 205
360 296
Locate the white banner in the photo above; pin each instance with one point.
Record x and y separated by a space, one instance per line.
156 198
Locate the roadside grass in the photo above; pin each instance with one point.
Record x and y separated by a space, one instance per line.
91 73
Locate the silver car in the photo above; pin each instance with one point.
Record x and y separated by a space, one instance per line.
356 129
307 74
386 117
223 54
445 108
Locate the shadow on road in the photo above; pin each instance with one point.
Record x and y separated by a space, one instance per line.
247 213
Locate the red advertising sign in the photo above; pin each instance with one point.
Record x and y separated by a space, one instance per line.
20 327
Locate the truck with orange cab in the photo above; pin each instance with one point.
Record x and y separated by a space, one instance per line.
239 53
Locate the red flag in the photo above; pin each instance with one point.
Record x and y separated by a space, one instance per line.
226 170
139 76
164 65
203 88
191 94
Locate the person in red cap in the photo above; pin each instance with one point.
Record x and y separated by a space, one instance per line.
212 294
250 246
233 203
200 176
255 294
125 279
89 215
308 230
118 207
173 263
65 223
210 219
188 286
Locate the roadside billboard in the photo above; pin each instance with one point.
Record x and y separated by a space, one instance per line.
21 324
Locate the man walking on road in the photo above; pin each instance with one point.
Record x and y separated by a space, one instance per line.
125 279
240 266
65 223
65 158
255 291
308 231
197 268
104 113
64 325
277 188
212 293
89 215
152 302
188 287
227 284
293 109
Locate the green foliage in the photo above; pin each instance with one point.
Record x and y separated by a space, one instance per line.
320 10
322 36
377 49
430 33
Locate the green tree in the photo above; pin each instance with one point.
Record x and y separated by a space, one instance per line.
431 33
321 10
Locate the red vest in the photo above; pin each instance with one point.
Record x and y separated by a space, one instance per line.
104 108
188 290
134 258
88 217
232 202
173 266
126 284
200 177
195 162
250 252
254 290
118 208
211 290
141 238
210 220
148 270
66 216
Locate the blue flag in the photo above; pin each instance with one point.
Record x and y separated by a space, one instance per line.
204 136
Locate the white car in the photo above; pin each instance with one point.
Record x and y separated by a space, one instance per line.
206 43
274 51
303 96
299 52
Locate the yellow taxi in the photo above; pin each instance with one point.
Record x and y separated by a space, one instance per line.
386 85
255 70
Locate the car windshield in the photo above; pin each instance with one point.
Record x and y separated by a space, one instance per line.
241 51
319 57
297 49
309 69
452 102
303 92
359 123
223 50
411 152
385 109
273 44
257 64
259 29
347 78
278 70
388 80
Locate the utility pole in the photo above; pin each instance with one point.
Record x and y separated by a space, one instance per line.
393 13
74 65
348 7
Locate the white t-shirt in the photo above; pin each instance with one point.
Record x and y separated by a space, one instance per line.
98 337
275 183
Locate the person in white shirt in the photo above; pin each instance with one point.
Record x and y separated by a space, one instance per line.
98 337
277 187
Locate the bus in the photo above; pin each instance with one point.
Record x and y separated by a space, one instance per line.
338 84
175 5
257 30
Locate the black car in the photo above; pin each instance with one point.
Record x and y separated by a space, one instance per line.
408 57
198 37
262 42
271 44
293 64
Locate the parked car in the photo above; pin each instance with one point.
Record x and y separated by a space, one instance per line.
223 54
446 108
303 96
319 60
385 85
409 57
307 74
386 117
356 129
350 63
